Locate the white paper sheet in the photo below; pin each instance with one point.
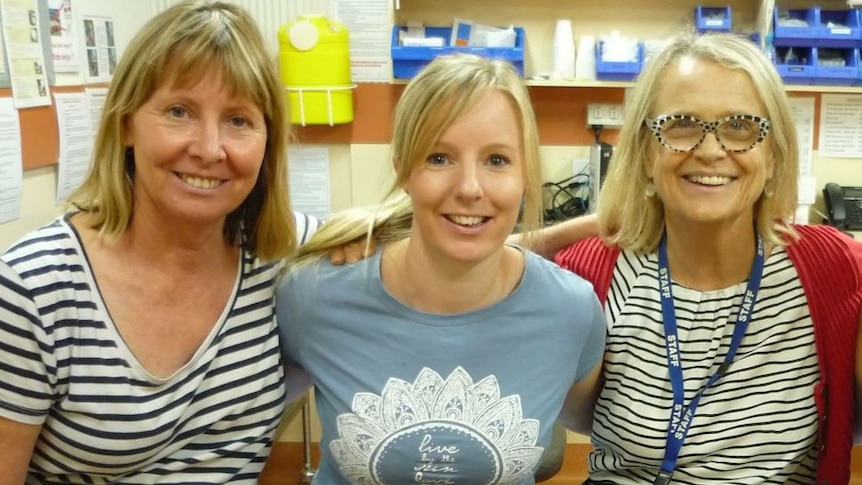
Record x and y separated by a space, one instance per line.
308 174
76 141
840 126
11 162
23 39
100 49
370 25
64 44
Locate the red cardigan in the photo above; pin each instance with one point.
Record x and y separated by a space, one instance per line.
830 270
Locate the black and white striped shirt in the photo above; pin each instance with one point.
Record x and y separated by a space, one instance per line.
756 424
104 418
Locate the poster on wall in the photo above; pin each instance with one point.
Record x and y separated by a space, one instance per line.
67 62
99 48
369 23
11 169
22 37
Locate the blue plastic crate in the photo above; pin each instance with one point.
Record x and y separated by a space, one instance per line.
839 28
845 75
802 35
618 71
409 60
712 19
798 70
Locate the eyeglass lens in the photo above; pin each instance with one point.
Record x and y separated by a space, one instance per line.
734 134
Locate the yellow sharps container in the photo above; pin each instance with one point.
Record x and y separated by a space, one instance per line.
314 61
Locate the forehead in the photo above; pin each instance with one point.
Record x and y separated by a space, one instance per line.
705 89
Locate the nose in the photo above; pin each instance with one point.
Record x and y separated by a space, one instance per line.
710 147
207 144
469 185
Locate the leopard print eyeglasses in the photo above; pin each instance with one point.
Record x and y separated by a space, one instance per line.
684 133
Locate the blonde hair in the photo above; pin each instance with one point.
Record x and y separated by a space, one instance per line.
189 38
625 218
442 92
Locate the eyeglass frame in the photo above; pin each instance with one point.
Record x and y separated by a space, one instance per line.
655 124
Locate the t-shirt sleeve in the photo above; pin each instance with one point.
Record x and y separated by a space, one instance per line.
306 226
26 392
594 345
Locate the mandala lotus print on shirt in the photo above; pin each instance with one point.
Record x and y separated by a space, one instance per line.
437 431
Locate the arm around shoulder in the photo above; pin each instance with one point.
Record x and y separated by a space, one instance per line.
550 240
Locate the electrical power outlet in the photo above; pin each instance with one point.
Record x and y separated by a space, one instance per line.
607 115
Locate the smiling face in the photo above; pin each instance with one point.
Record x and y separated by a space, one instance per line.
708 185
467 193
198 151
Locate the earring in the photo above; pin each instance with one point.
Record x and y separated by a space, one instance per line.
649 189
767 190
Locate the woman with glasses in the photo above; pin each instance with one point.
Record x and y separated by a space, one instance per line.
732 332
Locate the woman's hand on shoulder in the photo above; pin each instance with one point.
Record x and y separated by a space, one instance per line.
354 251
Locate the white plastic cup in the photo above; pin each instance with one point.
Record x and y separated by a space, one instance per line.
563 61
585 62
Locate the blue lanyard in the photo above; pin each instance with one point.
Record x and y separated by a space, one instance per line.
681 416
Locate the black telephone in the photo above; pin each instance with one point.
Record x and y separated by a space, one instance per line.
843 206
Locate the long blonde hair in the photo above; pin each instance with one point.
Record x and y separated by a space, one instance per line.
635 222
443 91
190 38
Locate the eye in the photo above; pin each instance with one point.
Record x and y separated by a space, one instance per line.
177 111
498 161
239 122
679 124
437 159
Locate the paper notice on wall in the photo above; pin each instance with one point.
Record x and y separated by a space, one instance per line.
76 141
308 176
370 25
840 126
803 117
11 162
100 49
64 46
23 40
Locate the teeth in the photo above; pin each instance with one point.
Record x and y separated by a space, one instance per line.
467 220
200 183
713 180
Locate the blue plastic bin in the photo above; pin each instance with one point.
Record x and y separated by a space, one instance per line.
839 28
618 71
845 75
797 35
712 19
799 71
408 60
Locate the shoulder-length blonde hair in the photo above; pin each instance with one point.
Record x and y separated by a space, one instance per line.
631 220
442 92
189 39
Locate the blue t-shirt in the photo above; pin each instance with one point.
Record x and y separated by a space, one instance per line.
406 396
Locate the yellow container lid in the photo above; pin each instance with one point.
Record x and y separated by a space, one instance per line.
310 30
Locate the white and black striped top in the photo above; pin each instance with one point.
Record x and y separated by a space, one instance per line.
104 418
757 424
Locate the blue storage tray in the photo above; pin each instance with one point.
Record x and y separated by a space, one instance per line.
704 21
797 36
409 60
618 71
849 34
801 72
846 75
